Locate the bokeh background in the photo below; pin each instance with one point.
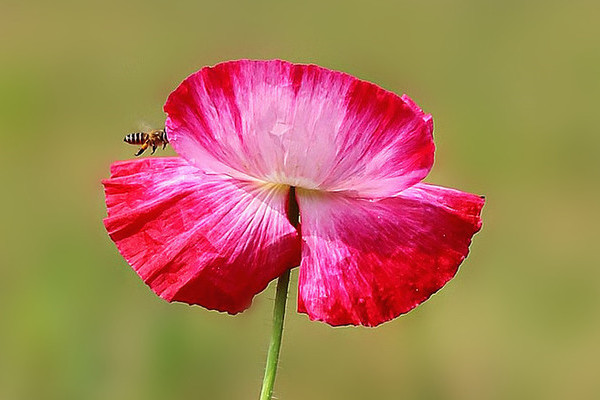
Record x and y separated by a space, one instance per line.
514 89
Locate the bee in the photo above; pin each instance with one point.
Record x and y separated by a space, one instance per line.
153 138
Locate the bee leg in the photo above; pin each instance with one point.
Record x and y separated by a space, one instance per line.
153 148
142 149
164 145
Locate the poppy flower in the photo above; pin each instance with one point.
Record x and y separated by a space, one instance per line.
210 227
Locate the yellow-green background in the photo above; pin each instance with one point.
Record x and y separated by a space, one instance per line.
514 90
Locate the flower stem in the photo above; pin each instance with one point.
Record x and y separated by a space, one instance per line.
293 214
276 334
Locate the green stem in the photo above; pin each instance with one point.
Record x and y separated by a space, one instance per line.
293 214
276 334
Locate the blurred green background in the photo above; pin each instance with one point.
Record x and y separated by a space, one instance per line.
514 89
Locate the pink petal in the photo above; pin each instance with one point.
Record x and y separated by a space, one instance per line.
199 239
365 262
301 125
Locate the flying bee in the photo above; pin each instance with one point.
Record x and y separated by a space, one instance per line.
153 138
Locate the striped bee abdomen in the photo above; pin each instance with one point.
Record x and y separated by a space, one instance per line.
136 138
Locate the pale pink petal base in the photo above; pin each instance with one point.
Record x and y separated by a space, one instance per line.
198 239
365 262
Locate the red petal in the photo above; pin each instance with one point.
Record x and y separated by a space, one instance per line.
365 262
301 125
199 239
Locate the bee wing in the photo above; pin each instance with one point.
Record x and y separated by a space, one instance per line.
144 126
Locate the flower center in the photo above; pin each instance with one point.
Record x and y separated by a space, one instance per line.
287 179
